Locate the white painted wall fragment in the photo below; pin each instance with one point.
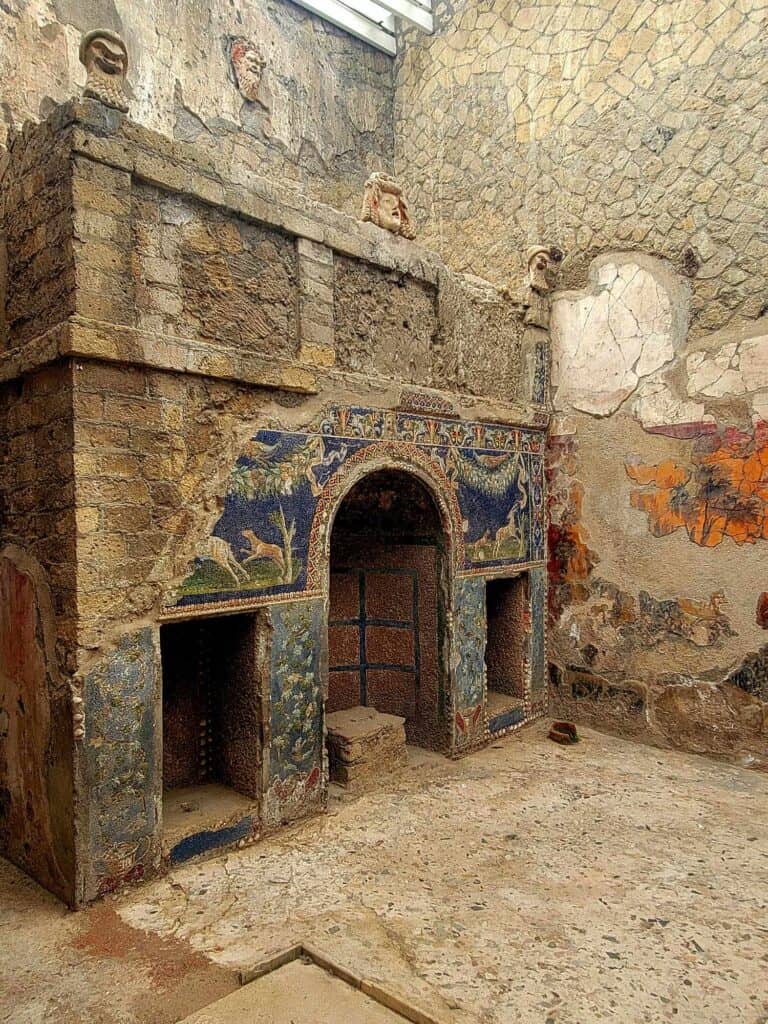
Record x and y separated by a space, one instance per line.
731 362
626 325
656 403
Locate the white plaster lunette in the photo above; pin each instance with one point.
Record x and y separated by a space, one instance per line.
626 325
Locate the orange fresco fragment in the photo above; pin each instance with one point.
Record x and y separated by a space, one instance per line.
667 474
723 493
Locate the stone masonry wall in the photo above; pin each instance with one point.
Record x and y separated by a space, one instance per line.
201 310
37 486
38 609
633 137
322 118
201 273
610 124
384 322
37 276
186 284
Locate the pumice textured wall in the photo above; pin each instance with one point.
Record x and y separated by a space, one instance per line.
632 136
198 382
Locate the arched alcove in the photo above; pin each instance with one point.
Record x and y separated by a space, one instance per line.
388 586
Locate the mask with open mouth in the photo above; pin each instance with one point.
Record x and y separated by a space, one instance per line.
105 57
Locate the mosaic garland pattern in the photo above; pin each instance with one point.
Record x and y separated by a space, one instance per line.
269 541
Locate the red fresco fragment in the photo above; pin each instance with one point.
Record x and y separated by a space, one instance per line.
684 431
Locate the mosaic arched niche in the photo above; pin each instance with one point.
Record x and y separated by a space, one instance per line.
426 703
283 493
384 455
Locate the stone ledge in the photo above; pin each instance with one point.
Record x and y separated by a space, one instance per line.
80 337
151 157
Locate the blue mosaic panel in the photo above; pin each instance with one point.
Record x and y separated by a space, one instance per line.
506 720
296 699
260 546
540 374
495 502
121 761
211 839
469 641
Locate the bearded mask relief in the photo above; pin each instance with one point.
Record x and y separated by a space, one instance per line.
248 67
105 57
384 206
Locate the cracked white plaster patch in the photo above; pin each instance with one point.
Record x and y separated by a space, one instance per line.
626 325
657 404
731 362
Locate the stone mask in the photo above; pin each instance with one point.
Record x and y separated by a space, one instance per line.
105 58
539 260
248 66
390 216
384 206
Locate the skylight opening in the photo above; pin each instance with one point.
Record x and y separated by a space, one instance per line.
374 23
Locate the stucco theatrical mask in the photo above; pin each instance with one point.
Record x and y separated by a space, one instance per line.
248 67
539 263
384 206
105 57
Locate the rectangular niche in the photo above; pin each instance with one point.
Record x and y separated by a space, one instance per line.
506 602
212 722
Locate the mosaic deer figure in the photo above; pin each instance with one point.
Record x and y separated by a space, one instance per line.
258 548
220 552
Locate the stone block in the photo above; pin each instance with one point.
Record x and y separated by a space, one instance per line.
314 251
363 745
316 311
317 334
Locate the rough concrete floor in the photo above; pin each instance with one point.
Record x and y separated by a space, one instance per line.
66 968
529 882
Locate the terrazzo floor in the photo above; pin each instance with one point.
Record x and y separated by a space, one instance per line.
529 882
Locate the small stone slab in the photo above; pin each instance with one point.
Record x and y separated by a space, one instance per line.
363 743
298 993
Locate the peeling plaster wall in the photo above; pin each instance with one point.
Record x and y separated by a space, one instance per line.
36 826
37 627
626 326
659 504
633 137
322 119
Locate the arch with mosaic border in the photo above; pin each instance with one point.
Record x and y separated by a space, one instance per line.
380 455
